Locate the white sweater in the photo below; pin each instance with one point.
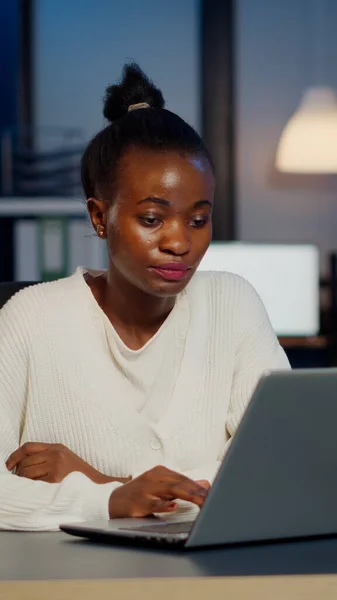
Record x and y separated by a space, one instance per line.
64 380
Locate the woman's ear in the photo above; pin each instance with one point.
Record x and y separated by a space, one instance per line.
98 213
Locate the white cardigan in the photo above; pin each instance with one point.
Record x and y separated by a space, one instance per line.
58 384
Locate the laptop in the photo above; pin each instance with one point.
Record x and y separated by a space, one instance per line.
277 481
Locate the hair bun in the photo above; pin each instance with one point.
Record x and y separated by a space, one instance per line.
135 87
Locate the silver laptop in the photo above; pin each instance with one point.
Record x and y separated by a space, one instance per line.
278 479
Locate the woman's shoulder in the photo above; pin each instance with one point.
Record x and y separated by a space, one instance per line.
227 295
30 301
229 301
222 286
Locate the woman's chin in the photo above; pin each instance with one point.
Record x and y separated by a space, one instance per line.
166 288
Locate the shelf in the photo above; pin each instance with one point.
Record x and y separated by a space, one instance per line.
315 342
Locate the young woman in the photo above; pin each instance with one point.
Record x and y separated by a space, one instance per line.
120 390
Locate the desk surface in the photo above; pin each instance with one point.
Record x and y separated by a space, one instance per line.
43 556
55 566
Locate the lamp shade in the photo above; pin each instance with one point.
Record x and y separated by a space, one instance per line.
308 143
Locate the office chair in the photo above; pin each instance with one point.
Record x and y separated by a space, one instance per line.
7 290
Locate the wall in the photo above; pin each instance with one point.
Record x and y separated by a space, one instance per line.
9 62
282 48
81 46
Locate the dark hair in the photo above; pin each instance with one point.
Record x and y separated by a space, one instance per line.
154 128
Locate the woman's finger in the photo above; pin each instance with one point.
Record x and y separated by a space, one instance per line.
34 472
168 491
182 489
165 482
33 459
148 506
25 450
160 506
204 483
186 493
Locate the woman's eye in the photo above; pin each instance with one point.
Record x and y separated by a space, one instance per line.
149 221
199 222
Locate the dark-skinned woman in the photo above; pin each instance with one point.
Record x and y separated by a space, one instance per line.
120 390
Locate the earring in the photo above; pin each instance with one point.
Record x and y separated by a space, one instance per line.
100 230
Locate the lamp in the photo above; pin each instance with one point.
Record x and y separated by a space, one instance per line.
308 143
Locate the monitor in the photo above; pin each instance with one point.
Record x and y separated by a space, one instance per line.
286 276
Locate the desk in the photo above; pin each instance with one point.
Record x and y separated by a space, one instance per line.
57 566
309 352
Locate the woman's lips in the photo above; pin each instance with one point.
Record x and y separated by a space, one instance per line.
172 272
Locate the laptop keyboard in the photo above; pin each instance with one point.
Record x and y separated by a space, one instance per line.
183 527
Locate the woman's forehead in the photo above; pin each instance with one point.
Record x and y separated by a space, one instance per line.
141 168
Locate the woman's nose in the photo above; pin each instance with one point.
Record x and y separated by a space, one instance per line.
176 240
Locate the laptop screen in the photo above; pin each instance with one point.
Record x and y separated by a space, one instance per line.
285 276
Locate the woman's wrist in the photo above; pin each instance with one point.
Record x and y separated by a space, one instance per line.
101 478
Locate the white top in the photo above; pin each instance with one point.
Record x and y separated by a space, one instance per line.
66 377
146 377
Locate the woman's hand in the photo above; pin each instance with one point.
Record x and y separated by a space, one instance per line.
154 492
52 463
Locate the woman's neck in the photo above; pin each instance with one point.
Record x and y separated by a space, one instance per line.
135 315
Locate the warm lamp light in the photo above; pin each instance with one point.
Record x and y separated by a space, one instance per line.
308 143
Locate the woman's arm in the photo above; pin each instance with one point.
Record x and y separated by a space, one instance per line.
258 352
27 504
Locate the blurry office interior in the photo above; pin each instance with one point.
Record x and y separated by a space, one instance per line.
236 70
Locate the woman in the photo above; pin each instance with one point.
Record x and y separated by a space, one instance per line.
106 376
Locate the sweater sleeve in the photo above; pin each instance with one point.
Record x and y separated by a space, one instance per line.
26 504
257 352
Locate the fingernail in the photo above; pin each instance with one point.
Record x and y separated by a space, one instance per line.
202 493
172 505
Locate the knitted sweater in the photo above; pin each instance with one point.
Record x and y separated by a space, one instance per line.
61 381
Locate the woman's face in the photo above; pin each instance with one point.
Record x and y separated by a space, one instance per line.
158 227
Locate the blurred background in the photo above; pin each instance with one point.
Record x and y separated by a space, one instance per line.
256 78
